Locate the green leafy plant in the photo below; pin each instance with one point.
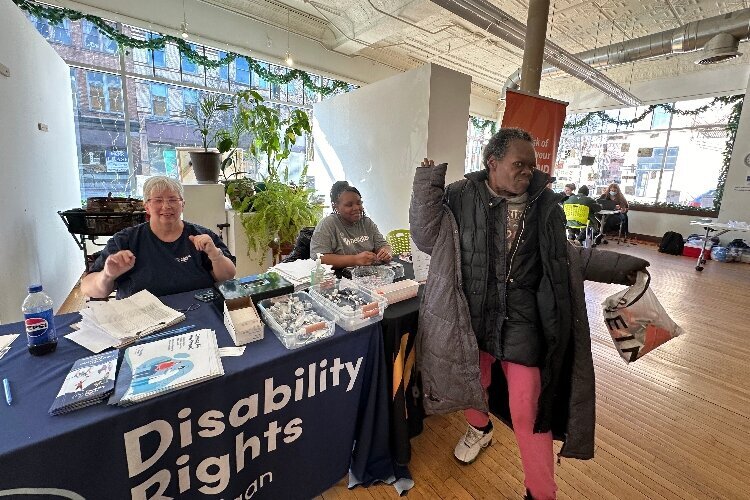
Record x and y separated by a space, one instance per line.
207 118
280 211
280 208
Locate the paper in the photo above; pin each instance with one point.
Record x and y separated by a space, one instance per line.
93 340
231 351
5 342
137 315
421 262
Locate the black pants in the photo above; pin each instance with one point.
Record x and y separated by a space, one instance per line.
612 224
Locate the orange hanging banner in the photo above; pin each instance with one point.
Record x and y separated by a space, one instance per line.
540 116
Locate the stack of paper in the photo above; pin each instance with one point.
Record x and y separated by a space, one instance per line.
298 272
90 381
166 365
117 323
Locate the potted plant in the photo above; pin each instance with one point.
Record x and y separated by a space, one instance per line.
207 120
279 208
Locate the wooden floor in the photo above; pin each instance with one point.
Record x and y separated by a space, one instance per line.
673 425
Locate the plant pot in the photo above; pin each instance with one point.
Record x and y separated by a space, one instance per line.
206 166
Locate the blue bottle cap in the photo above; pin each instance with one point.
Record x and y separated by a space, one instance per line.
35 288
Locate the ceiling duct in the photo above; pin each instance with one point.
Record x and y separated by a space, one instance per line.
720 48
487 17
712 35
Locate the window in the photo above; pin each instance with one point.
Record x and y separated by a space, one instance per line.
258 81
105 92
93 39
223 70
242 71
190 100
54 33
159 106
157 57
652 162
187 65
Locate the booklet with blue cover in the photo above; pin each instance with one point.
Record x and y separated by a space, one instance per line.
165 365
90 381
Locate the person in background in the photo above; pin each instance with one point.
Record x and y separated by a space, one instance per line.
612 224
348 237
520 301
568 191
165 255
583 198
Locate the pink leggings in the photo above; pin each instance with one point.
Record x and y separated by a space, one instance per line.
524 386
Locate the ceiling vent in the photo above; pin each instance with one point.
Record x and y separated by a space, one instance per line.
720 48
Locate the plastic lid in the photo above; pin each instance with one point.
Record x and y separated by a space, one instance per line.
35 288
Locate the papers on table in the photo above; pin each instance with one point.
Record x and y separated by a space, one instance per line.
5 342
118 323
151 369
298 272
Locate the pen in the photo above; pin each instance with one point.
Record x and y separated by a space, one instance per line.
8 395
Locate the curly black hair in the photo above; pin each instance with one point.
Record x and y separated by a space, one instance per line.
341 187
498 143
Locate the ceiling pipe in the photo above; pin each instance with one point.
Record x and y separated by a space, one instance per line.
487 17
718 36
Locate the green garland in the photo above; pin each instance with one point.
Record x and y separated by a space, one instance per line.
731 127
483 124
56 15
676 206
603 116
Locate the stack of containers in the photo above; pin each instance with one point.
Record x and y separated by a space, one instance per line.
353 306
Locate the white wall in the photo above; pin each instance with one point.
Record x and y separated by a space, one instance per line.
376 136
654 224
735 204
40 169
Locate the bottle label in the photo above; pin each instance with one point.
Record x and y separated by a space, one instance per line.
40 327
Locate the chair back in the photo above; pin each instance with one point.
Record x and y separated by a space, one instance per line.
398 239
577 215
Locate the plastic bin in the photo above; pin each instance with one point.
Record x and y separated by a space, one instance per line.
306 333
368 311
371 277
398 291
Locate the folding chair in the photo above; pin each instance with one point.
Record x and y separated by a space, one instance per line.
578 218
398 239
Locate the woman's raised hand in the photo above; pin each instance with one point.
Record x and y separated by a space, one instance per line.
427 163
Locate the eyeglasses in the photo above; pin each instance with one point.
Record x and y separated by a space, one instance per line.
163 201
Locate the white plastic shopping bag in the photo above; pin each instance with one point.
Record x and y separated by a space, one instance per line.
637 321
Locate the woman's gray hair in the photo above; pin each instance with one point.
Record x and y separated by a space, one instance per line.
498 143
160 183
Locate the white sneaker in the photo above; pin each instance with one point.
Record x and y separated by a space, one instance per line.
471 444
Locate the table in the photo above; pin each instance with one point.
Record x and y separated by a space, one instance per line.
278 424
604 214
720 229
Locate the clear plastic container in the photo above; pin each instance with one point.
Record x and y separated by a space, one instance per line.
398 291
354 308
371 277
295 336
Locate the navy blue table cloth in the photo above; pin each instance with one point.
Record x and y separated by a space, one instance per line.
278 424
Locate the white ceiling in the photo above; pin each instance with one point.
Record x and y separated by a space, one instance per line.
404 34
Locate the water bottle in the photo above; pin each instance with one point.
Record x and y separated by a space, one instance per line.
317 274
40 325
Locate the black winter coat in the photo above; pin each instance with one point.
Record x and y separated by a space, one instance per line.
447 349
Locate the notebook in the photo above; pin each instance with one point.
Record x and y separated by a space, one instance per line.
151 369
90 381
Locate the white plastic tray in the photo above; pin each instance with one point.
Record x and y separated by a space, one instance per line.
355 318
305 335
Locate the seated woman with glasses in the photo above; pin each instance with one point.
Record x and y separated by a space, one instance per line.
165 255
348 237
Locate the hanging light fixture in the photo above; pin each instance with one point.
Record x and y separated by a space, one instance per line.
288 60
184 26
